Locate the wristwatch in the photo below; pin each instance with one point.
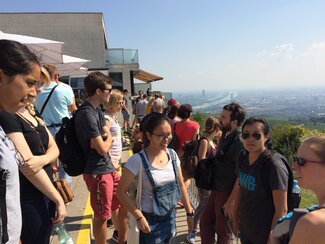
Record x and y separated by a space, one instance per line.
190 214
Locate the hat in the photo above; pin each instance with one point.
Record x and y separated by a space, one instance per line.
172 102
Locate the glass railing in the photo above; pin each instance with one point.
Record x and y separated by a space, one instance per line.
122 56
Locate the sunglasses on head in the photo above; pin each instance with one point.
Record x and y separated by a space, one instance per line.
302 161
255 135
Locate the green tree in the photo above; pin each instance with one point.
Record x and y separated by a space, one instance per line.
287 138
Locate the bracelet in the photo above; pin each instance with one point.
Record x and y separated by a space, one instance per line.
190 214
138 219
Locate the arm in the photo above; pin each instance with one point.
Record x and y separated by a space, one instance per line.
33 164
185 200
100 145
232 203
42 182
280 205
196 133
122 189
203 148
39 178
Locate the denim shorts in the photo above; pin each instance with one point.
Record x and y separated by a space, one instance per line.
163 228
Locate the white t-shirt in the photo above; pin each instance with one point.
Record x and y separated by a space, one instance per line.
160 177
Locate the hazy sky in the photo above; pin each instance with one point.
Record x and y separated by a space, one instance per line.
212 44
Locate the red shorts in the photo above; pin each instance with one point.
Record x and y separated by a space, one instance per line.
103 198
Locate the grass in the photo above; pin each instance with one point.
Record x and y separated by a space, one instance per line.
307 198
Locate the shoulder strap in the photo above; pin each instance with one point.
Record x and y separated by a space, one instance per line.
47 99
3 205
146 168
172 155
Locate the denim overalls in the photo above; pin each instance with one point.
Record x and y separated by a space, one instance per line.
162 221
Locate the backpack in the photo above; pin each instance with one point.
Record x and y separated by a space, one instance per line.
284 228
291 202
71 155
189 160
205 170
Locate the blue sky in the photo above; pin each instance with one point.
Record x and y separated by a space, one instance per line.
212 44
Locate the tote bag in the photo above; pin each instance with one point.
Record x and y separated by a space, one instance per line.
133 233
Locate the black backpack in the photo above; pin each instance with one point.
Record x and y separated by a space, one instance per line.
71 155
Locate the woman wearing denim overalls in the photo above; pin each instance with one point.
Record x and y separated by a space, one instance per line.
162 183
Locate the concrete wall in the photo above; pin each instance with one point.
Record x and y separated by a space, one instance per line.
83 34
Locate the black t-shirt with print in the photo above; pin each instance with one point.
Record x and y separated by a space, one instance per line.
256 207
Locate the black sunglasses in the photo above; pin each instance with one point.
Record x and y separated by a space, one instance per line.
255 135
106 89
302 161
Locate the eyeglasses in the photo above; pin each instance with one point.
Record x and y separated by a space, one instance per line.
163 137
301 161
39 84
255 135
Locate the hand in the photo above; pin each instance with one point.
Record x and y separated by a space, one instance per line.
235 226
190 223
31 166
143 225
228 209
60 212
116 165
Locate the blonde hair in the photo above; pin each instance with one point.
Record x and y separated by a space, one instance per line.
45 76
317 145
115 97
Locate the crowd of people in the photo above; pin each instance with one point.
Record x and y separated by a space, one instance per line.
249 187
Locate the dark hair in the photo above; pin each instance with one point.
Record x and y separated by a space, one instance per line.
237 112
172 112
265 128
211 124
16 58
96 80
155 119
184 111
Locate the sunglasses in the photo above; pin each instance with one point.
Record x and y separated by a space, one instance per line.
106 89
302 161
255 135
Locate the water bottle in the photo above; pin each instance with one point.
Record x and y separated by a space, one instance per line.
296 194
63 234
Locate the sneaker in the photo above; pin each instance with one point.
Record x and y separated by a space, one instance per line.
191 237
115 236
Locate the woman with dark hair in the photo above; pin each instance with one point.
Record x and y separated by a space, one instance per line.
19 77
262 198
161 173
186 129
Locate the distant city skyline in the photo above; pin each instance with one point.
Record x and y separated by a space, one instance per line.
218 45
